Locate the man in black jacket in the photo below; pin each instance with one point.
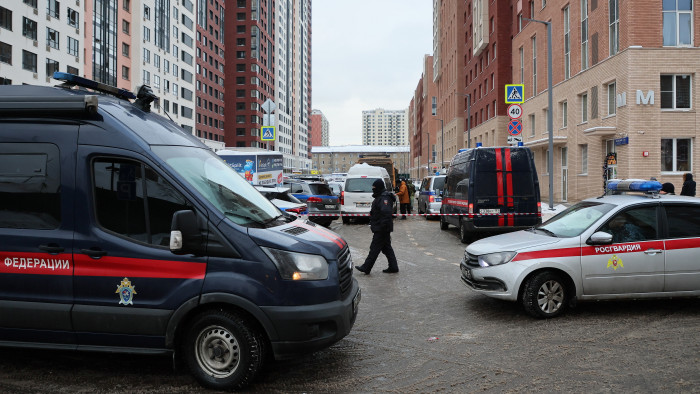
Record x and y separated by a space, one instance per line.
381 223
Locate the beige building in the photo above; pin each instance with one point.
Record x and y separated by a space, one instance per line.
330 159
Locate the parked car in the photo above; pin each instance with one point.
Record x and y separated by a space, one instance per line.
611 247
100 194
336 187
323 207
493 189
429 195
357 191
283 199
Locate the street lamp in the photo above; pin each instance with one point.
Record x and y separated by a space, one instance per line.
550 157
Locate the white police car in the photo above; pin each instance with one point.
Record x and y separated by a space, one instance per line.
610 247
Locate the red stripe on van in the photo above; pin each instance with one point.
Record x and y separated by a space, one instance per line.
138 268
328 236
509 184
499 183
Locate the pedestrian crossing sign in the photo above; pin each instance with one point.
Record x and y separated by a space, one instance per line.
267 133
515 94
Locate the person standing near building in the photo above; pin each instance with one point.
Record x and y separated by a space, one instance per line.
404 198
688 185
381 223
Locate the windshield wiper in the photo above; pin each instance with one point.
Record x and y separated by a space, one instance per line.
548 232
236 214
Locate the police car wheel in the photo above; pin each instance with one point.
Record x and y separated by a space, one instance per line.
545 295
222 351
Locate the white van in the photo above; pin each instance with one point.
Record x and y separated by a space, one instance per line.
356 197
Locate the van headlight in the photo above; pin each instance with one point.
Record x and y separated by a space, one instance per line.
298 266
491 259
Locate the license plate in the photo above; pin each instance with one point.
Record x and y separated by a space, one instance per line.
489 211
331 206
363 204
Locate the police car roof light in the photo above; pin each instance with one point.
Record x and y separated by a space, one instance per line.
75 80
634 185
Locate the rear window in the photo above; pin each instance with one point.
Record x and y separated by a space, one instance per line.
320 189
359 185
486 182
439 183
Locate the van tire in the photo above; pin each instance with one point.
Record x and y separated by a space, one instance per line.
545 295
222 350
443 224
346 220
464 235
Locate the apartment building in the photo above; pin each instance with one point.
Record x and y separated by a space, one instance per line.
318 133
385 127
38 38
330 159
209 90
422 125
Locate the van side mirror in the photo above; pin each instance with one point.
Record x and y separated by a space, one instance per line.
185 237
600 238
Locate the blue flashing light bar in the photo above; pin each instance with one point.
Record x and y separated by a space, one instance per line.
634 185
461 150
94 85
478 144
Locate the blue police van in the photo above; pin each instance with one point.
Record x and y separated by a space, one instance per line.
120 232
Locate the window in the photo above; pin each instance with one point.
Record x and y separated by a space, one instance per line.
531 120
147 13
633 225
5 18
534 65
73 46
146 77
29 28
126 4
564 114
522 64
682 222
156 81
614 18
73 18
612 96
133 201
675 91
125 49
156 61
29 61
52 8
5 53
72 70
51 67
567 44
584 159
676 154
146 55
52 38
584 34
31 192
584 108
125 27
125 72
146 34
31 3
678 22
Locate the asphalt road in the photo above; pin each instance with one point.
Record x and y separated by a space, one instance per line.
421 330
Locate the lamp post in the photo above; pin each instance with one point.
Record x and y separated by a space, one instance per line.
550 157
442 139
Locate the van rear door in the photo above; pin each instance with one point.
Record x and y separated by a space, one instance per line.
505 182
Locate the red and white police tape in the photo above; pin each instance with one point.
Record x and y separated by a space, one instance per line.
429 214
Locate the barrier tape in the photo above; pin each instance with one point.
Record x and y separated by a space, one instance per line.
427 214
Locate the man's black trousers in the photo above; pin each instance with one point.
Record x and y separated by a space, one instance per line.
381 242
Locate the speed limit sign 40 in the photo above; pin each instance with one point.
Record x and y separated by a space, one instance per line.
515 111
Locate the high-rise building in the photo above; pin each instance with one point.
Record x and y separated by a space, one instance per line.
209 90
318 135
385 127
422 125
38 38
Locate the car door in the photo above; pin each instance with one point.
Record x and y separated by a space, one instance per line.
682 246
37 172
634 262
127 282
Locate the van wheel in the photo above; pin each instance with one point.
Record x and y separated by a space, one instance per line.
346 220
443 224
464 235
222 351
545 295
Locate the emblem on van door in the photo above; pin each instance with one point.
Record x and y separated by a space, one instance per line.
126 292
615 262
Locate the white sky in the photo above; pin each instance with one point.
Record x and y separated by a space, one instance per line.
366 54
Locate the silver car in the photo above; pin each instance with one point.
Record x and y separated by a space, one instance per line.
611 247
428 197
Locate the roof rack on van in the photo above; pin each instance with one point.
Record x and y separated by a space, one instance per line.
16 104
71 80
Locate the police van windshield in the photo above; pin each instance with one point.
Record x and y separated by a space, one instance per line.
229 192
575 220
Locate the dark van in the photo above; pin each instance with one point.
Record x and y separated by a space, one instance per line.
120 232
493 189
